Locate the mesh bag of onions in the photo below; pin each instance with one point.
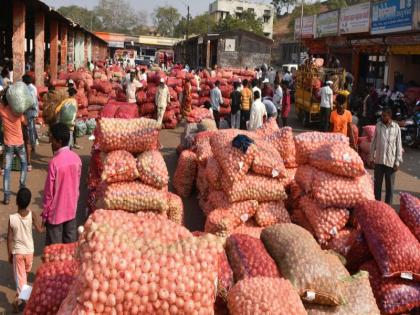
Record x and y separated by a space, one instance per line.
203 149
314 273
339 159
268 161
119 166
253 231
298 217
134 197
132 135
59 252
358 295
269 213
143 264
223 221
393 295
395 249
213 173
175 209
52 283
185 173
308 142
152 169
326 223
249 258
255 187
262 296
410 213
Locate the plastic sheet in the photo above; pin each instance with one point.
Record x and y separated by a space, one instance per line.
410 213
152 169
185 173
395 249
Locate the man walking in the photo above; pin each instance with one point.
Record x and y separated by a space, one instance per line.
326 105
61 191
216 100
132 87
246 101
29 131
386 153
235 98
162 100
258 113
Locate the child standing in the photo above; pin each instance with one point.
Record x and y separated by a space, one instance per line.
20 243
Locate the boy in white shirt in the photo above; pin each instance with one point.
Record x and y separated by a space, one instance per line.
258 113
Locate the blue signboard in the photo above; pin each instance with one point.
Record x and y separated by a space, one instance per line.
392 16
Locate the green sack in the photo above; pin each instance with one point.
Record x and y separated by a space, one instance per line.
80 128
19 97
67 114
91 125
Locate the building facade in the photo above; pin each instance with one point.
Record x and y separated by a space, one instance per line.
220 9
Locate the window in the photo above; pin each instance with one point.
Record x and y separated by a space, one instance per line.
239 9
251 10
266 19
267 12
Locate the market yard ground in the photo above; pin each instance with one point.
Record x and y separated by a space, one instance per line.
408 180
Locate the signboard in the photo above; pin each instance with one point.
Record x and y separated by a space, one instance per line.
355 19
229 44
392 16
116 44
307 27
327 24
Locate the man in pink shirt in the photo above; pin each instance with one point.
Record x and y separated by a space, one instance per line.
61 191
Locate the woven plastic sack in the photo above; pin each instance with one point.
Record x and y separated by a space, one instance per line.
267 161
369 132
282 140
248 258
336 191
338 159
314 274
269 213
67 114
119 166
410 213
151 256
395 248
59 252
152 169
255 187
185 173
19 97
234 162
262 296
80 128
326 223
132 135
223 221
134 197
213 173
52 283
175 209
358 295
90 126
308 142
393 296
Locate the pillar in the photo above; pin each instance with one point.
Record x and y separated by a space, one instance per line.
86 58
53 49
63 47
208 54
355 66
18 39
39 47
70 47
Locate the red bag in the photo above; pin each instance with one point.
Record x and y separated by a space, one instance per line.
395 249
410 213
109 110
147 108
249 258
128 111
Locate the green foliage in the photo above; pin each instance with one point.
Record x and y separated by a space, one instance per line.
166 19
308 9
336 4
200 24
246 21
82 16
283 6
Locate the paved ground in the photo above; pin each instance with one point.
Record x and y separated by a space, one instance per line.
407 180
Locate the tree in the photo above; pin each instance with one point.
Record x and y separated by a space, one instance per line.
245 21
283 6
336 4
119 16
200 24
166 19
308 9
82 16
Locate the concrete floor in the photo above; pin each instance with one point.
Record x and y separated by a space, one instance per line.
407 180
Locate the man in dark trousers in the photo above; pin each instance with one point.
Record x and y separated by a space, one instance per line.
235 98
386 153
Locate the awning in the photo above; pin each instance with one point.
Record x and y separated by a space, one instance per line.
405 49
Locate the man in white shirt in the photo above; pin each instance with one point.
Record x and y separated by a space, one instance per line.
278 96
255 87
326 105
216 100
287 77
271 75
162 99
132 87
258 113
143 75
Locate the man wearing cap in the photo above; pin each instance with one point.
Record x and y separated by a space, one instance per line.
132 87
267 91
162 99
326 105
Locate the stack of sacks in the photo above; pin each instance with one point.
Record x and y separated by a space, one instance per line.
364 144
150 266
395 270
236 189
133 173
42 90
318 277
331 181
114 73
